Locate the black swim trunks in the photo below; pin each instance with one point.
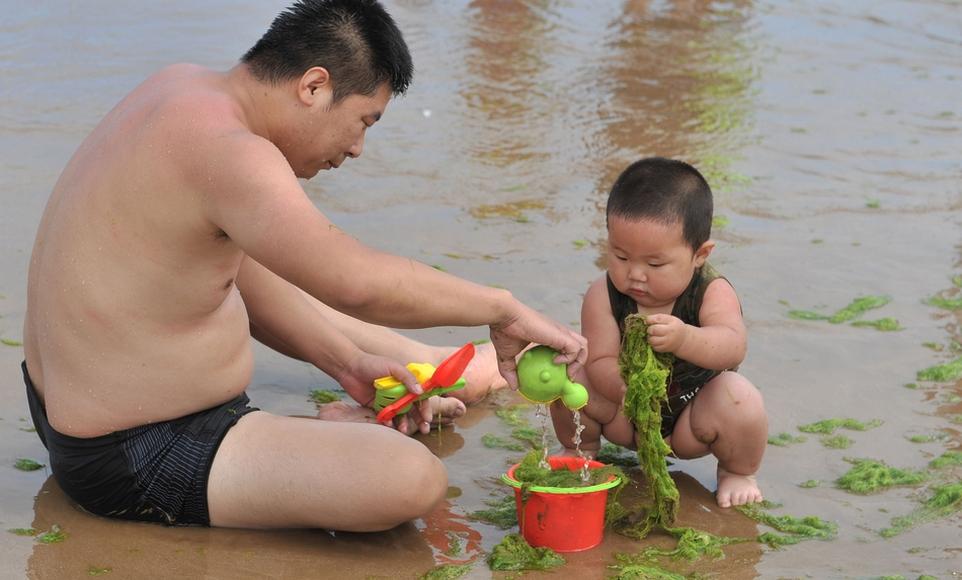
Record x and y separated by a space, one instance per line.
154 473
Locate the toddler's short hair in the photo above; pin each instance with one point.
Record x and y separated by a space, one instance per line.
666 190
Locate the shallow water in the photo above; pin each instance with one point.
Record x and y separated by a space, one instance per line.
830 132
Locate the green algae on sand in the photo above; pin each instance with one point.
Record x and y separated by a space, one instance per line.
947 459
447 572
944 501
54 536
855 309
322 397
871 476
829 426
27 464
837 441
640 567
942 373
794 529
513 553
645 373
501 513
492 441
785 439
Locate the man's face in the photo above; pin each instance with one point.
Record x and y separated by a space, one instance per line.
333 132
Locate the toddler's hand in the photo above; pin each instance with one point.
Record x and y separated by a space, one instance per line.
666 333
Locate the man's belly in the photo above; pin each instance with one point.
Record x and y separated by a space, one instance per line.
123 374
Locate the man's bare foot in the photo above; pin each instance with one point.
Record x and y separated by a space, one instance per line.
482 374
735 489
444 411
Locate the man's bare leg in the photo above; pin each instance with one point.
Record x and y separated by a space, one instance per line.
482 374
286 472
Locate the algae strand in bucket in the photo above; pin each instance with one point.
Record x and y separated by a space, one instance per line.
645 373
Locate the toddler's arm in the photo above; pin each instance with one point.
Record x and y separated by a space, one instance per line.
719 343
604 343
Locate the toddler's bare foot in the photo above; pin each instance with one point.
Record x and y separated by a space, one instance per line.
735 489
482 375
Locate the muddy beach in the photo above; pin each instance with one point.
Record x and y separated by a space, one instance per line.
829 131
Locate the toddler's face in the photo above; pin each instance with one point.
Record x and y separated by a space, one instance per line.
650 261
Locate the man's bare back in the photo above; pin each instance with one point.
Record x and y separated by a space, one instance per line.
131 295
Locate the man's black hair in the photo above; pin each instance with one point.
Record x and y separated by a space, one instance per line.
665 190
357 42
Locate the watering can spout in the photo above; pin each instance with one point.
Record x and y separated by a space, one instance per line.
541 380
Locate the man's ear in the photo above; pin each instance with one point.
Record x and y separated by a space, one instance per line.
314 87
702 253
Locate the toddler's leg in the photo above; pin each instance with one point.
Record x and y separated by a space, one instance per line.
727 419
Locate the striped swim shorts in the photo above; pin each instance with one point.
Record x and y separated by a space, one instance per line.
153 473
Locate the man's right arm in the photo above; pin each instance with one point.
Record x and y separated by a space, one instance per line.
250 192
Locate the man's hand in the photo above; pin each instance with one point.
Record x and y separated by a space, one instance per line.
666 333
358 377
527 326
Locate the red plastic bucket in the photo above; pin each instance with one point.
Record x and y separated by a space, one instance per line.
565 519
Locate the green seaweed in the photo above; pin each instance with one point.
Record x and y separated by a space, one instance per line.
23 531
612 454
887 324
837 441
646 374
945 303
640 567
513 553
810 483
871 476
858 307
447 572
694 544
514 414
492 441
322 397
829 426
784 439
27 464
530 473
502 513
720 222
98 571
54 536
945 501
10 342
947 459
528 435
794 529
578 244
926 438
806 315
942 373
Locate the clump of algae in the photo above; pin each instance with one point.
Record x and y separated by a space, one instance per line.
322 397
645 373
837 442
530 473
612 454
784 439
794 529
447 572
942 373
855 309
945 501
947 459
513 553
502 513
870 476
829 426
492 441
638 566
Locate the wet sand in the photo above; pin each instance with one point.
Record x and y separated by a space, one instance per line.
830 132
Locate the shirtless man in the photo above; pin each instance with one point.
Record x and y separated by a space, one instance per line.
174 234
